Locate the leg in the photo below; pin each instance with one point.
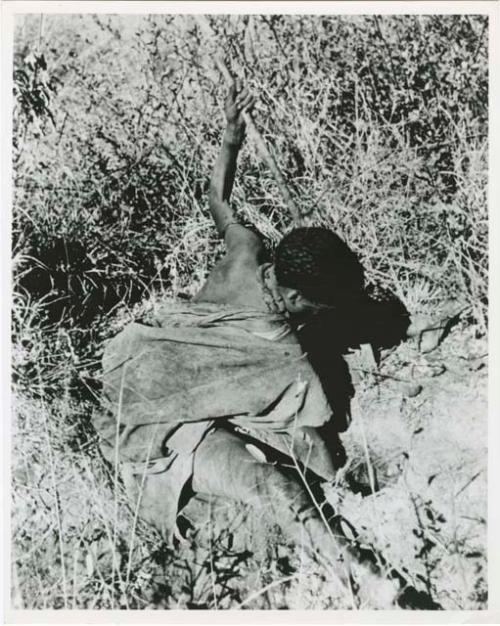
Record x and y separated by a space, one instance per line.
224 467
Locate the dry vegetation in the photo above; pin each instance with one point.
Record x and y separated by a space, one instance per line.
381 127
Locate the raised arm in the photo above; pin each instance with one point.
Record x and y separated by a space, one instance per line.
235 235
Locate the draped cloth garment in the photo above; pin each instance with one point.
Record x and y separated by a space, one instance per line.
200 366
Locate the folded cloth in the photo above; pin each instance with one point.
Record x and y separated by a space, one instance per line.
165 386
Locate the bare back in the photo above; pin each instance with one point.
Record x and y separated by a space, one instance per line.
234 279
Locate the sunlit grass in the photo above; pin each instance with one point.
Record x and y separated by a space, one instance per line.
117 124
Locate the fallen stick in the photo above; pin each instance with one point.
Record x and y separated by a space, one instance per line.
262 148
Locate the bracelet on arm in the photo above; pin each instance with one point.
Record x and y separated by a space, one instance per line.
242 220
227 226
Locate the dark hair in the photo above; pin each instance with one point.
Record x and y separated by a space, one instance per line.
319 264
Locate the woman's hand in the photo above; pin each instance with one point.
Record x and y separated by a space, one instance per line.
238 101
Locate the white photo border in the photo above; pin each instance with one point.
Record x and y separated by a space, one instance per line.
10 8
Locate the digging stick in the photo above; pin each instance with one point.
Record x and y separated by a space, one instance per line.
263 149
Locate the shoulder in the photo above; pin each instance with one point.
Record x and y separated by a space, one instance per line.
233 279
242 241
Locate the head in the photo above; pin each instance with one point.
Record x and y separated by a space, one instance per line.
315 270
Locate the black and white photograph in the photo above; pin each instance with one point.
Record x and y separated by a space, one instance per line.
249 309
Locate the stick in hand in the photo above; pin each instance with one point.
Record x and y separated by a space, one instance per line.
262 148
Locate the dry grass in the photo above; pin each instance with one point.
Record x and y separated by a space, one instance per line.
117 125
428 455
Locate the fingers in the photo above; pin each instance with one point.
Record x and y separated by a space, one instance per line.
246 104
245 101
235 87
240 95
